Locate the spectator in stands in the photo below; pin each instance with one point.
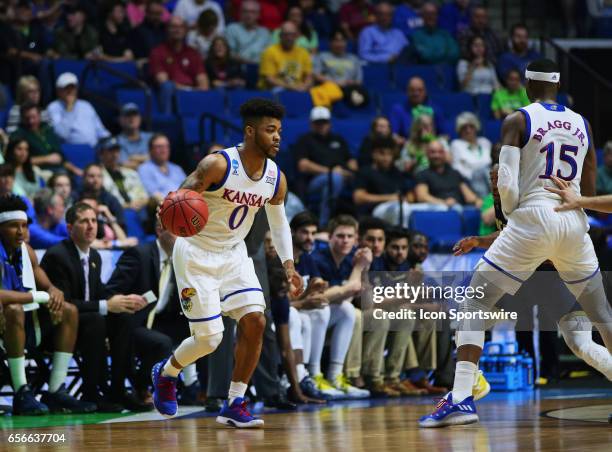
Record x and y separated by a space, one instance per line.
455 16
380 127
381 182
337 65
476 74
604 172
511 97
479 26
73 119
380 42
318 15
44 143
519 55
175 65
136 12
159 175
75 266
76 39
190 10
285 65
150 33
50 210
93 186
402 114
307 36
354 16
440 184
133 141
200 38
413 156
28 91
28 179
246 39
406 18
114 35
60 183
121 182
320 152
470 153
110 233
432 44
342 268
56 318
222 69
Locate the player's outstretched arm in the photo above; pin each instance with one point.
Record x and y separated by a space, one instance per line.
210 170
467 244
281 235
572 201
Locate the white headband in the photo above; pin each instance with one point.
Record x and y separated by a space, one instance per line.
13 215
552 77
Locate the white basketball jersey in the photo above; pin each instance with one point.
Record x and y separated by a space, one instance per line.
233 203
555 143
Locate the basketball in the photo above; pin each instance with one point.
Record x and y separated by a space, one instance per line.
184 213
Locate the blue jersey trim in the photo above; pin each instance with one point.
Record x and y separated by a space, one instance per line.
578 281
214 187
250 289
586 126
527 127
278 177
552 107
205 319
497 267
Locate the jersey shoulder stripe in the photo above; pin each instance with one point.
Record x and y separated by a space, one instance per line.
215 187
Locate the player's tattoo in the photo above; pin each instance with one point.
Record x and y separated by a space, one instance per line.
210 170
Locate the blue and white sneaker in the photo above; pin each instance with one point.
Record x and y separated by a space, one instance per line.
164 391
448 413
237 415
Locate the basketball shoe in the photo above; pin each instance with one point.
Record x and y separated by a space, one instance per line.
341 383
327 389
481 387
164 391
449 413
237 415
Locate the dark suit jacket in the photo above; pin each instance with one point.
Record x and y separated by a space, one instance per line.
62 264
137 271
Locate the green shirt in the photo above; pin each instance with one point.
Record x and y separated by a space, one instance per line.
505 100
487 203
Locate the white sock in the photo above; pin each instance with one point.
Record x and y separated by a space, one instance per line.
61 361
236 389
18 375
464 380
333 371
301 371
170 370
314 369
190 374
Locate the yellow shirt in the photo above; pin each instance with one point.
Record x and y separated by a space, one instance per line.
292 67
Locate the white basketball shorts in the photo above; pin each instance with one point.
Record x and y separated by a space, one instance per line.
212 283
534 235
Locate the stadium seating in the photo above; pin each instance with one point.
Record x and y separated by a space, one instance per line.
195 103
297 103
443 229
377 77
353 131
471 221
235 98
452 104
79 154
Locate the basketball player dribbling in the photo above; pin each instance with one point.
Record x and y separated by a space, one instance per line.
214 274
540 141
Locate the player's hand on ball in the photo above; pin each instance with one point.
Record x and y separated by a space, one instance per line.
569 196
465 245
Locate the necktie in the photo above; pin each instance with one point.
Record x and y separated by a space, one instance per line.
164 279
85 263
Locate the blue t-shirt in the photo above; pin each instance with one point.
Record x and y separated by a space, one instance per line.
307 268
407 20
383 264
11 270
326 265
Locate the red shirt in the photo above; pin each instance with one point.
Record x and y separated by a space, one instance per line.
271 12
182 67
357 17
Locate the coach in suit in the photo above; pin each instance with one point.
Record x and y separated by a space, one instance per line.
75 268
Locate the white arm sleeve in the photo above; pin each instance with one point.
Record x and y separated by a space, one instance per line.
281 232
507 178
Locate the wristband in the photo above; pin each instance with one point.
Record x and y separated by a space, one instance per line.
39 296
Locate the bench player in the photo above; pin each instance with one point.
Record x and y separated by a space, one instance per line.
214 274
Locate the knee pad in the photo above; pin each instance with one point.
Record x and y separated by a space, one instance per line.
208 343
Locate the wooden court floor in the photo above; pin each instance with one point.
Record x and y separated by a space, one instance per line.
562 422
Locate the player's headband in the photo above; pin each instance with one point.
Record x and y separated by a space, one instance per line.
13 215
551 77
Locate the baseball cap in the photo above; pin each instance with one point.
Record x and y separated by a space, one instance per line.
108 143
129 108
320 114
66 79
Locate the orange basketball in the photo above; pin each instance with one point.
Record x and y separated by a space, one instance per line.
184 212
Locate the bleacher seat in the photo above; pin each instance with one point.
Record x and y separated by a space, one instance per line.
80 155
251 75
471 221
483 106
101 81
194 103
389 99
430 75
75 66
492 130
293 128
297 104
453 104
353 131
443 229
235 98
377 77
133 225
448 72
190 126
